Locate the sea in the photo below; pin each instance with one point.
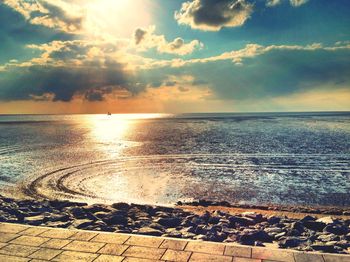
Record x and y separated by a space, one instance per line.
284 159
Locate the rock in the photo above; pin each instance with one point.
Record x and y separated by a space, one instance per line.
326 220
96 208
347 237
162 214
273 230
298 226
59 224
336 229
258 244
314 225
216 236
343 244
214 220
188 235
174 233
323 248
244 221
82 223
328 237
254 216
63 204
101 214
115 219
36 220
273 220
156 226
149 231
59 217
169 221
78 212
120 206
263 236
248 237
293 232
307 218
290 242
201 230
200 237
280 235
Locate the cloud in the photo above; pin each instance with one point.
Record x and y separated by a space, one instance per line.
146 38
66 69
294 3
256 72
298 2
139 35
211 15
273 2
49 13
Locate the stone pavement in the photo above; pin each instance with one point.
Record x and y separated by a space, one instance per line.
30 243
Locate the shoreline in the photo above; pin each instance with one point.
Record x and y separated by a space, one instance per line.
298 231
316 210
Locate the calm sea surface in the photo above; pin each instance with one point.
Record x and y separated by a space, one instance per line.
290 158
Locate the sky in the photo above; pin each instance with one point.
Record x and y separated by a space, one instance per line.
174 56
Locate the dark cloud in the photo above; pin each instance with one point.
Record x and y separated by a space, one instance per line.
170 83
213 15
183 89
139 35
177 43
63 83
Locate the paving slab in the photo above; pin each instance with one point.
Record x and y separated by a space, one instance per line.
45 253
174 244
6 237
201 257
144 252
30 241
75 256
206 247
113 249
110 238
37 244
84 246
144 241
56 243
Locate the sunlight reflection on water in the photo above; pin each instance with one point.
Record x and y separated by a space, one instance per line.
156 158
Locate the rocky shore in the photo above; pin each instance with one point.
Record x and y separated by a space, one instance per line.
325 234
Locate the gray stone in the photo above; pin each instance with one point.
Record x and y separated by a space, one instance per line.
336 229
314 225
169 221
149 231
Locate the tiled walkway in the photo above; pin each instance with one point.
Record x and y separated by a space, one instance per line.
27 243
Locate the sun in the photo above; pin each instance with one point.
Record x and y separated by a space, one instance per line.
116 18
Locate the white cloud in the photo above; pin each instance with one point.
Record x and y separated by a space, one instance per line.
294 3
55 14
146 38
273 2
298 2
212 15
238 56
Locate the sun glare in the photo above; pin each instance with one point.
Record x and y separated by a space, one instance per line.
117 18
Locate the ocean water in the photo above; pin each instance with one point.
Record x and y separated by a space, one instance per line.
266 158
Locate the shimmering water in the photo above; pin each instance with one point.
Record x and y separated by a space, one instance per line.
294 158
